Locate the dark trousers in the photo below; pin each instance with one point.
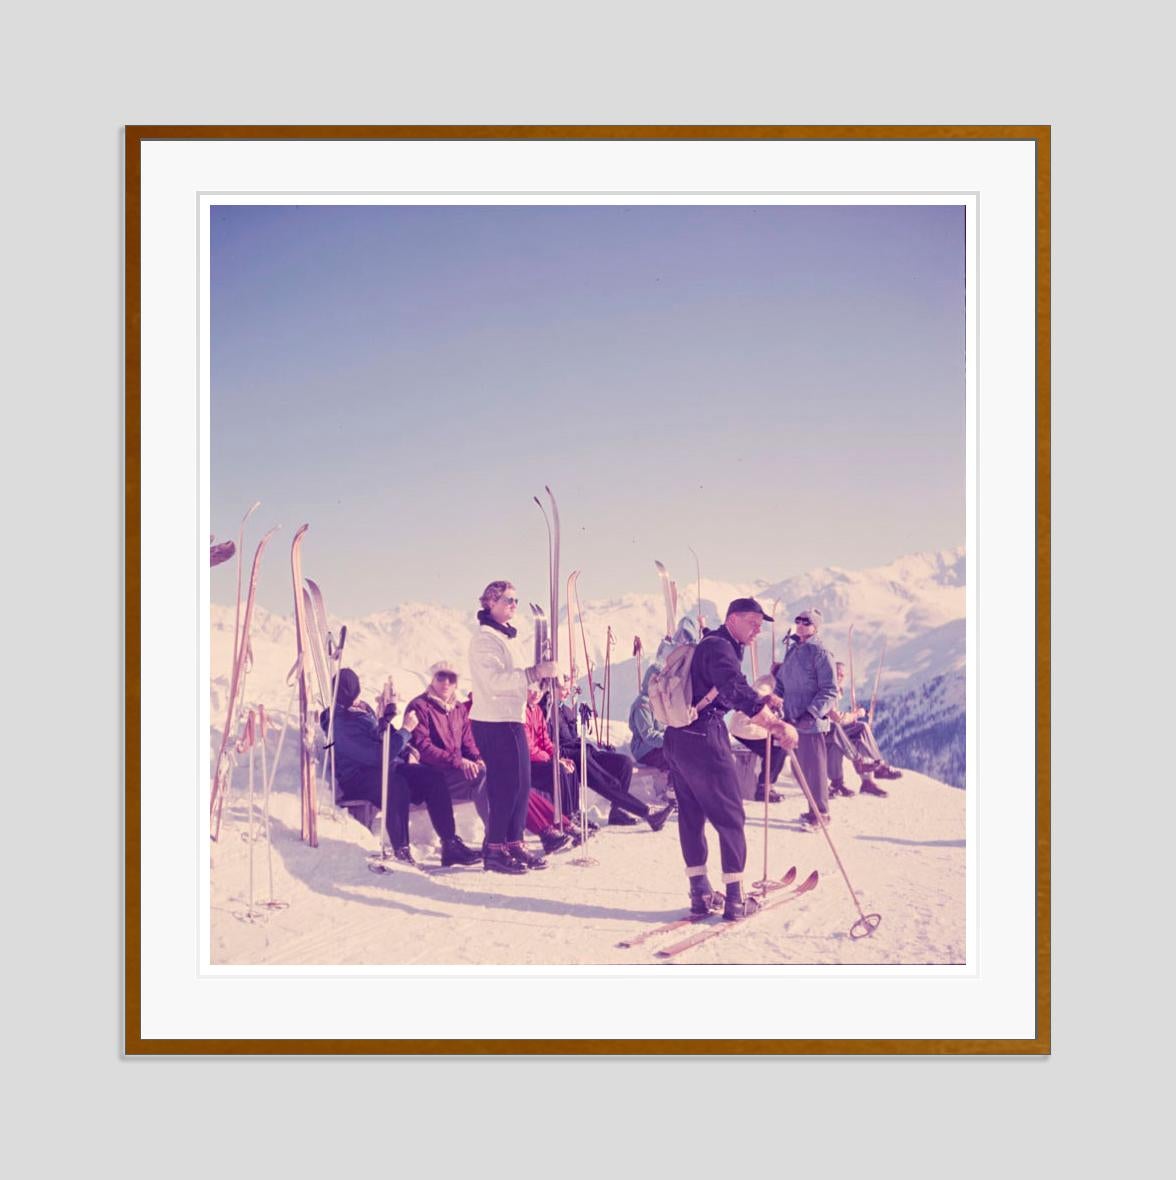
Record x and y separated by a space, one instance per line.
759 746
437 787
655 758
609 774
406 785
503 745
708 789
810 753
364 783
569 792
853 741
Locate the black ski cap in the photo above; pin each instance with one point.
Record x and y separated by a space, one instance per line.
348 688
747 606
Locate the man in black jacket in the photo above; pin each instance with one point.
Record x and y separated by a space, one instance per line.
700 754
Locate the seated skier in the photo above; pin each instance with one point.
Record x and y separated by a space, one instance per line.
609 773
358 742
852 737
755 738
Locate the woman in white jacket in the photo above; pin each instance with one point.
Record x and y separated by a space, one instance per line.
498 717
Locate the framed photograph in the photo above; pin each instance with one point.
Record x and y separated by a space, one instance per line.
587 590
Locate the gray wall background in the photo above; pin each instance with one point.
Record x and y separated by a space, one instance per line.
77 74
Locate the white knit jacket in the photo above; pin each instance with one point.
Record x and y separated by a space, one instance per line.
500 689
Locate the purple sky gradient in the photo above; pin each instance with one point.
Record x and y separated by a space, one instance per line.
781 387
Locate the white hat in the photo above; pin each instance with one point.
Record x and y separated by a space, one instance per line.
442 666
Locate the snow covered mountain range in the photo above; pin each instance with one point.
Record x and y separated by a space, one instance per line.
916 603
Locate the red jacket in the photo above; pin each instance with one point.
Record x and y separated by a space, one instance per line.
538 737
443 735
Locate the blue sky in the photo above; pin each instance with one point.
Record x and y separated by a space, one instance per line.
781 387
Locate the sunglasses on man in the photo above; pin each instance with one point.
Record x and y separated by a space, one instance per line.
450 676
803 621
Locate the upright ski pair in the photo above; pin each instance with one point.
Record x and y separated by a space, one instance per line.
242 657
553 639
328 659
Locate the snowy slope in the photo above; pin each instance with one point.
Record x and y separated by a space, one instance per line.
904 854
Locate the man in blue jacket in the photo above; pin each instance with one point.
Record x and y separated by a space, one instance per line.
704 766
807 683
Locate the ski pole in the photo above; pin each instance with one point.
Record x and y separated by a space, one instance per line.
609 641
852 683
877 677
637 649
762 885
270 903
584 860
377 861
330 746
866 923
240 559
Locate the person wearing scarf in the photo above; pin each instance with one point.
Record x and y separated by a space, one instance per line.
498 716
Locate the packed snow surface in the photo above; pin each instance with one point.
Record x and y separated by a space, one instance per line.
904 855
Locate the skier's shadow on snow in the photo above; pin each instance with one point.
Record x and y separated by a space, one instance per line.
915 843
434 888
287 839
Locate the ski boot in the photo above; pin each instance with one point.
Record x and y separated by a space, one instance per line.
657 819
869 787
529 860
774 796
553 840
736 907
496 858
620 819
454 852
838 789
404 855
703 899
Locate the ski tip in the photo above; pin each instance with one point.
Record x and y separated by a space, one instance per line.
810 882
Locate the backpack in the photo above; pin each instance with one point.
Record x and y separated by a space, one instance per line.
670 695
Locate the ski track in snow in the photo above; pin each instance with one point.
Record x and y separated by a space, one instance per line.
904 854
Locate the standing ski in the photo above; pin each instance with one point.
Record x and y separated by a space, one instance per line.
668 595
224 760
306 759
698 572
587 657
852 682
553 587
609 643
877 677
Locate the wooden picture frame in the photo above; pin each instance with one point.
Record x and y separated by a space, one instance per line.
148 1032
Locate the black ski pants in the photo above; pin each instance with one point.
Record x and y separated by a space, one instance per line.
569 791
609 774
708 789
503 745
759 746
404 789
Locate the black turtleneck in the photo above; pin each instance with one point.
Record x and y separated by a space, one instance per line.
487 620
